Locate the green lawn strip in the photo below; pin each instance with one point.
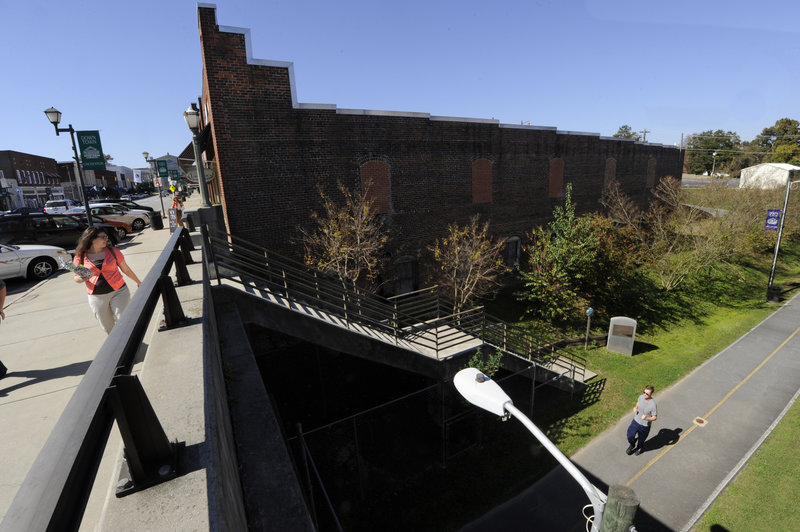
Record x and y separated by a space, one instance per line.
763 496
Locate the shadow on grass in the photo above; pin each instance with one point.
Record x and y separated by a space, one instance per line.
640 348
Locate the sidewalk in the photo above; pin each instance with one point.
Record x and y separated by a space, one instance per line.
741 393
48 341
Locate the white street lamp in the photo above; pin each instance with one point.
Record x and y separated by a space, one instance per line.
483 392
713 164
192 117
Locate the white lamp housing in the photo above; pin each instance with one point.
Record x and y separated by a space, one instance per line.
53 115
192 117
481 391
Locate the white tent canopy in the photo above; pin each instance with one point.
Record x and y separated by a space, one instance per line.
767 175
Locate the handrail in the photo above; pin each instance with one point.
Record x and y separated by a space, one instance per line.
53 495
422 318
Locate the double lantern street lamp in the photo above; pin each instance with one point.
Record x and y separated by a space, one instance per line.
152 162
192 117
54 116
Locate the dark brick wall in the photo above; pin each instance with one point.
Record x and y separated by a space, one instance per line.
271 155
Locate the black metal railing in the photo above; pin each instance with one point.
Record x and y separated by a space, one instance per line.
54 494
420 320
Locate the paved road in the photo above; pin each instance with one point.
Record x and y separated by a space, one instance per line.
709 424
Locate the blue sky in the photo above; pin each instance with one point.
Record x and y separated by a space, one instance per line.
130 69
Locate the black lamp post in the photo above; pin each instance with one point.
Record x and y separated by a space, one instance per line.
151 162
192 117
54 116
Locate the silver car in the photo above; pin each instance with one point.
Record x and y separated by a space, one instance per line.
31 261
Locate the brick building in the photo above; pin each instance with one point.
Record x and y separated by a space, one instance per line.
270 152
27 180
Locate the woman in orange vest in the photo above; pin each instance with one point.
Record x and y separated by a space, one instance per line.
101 272
177 204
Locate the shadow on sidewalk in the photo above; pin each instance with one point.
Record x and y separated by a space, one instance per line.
662 439
36 376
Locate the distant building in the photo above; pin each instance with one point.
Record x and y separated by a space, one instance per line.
27 180
767 175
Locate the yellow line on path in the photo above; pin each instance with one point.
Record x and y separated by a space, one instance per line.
706 416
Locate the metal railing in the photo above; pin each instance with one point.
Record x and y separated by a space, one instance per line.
418 320
54 494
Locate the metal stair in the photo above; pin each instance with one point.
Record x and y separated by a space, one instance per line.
422 321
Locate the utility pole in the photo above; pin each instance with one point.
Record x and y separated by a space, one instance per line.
644 133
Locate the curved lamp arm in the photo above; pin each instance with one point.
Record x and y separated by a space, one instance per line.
483 392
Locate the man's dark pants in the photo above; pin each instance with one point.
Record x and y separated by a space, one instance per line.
634 430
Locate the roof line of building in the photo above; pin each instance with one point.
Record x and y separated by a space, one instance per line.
289 66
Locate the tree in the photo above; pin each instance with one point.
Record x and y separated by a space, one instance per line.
560 259
750 155
626 132
786 131
702 147
786 153
620 208
348 238
682 239
782 141
469 261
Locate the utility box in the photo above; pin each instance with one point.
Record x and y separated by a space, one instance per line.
621 335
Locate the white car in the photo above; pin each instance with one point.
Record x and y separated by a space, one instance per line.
143 212
135 218
58 206
31 261
112 214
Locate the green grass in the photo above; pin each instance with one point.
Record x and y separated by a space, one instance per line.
764 494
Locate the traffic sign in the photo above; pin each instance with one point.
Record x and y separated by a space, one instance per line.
773 218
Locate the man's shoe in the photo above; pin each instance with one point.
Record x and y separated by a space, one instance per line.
629 450
638 451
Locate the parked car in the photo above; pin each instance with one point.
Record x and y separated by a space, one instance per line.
58 206
122 228
46 229
108 212
31 261
125 203
23 210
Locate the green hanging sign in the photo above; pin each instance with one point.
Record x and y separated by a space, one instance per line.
162 168
92 157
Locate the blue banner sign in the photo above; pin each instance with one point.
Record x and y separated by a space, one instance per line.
773 218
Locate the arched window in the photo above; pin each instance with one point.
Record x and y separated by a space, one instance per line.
375 179
556 189
482 181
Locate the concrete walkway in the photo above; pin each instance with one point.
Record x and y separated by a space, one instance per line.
709 424
48 341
